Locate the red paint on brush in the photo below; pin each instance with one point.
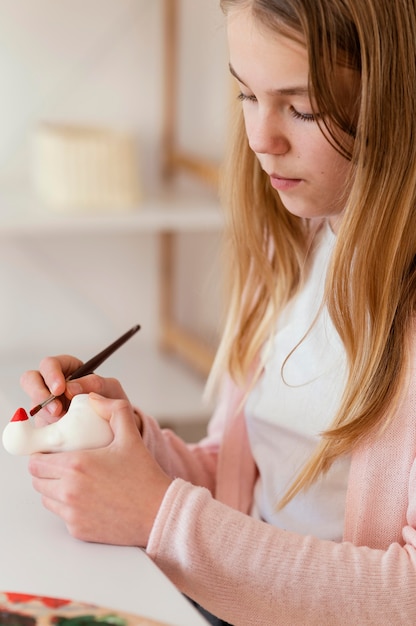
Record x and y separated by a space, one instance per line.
20 416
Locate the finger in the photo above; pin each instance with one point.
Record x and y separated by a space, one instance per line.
48 466
119 413
50 379
56 507
33 383
106 387
47 487
70 519
63 364
55 370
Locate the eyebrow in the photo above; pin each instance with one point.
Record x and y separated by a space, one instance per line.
284 91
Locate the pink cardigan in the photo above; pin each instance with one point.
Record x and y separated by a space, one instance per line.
248 572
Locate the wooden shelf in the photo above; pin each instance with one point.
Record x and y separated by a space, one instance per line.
167 212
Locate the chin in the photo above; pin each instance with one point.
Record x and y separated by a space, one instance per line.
306 211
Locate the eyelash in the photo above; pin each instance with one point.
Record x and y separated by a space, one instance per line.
242 96
304 117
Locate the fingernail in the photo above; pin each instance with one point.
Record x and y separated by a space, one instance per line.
52 407
74 388
55 387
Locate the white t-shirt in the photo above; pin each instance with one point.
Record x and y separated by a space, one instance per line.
288 409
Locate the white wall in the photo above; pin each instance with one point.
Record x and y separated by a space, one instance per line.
100 62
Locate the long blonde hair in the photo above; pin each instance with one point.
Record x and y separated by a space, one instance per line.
371 283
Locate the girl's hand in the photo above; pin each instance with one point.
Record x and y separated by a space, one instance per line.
107 495
50 379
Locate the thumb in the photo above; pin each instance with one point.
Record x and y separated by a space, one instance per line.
119 413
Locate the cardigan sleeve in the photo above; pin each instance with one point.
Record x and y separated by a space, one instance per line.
250 573
268 576
196 463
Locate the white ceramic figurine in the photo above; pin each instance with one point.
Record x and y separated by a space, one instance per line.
80 428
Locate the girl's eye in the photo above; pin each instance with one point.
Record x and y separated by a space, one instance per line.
305 117
245 98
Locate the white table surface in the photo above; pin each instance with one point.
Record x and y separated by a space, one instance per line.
38 556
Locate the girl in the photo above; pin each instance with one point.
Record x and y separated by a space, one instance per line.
300 505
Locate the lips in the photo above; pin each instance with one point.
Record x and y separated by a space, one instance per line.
280 183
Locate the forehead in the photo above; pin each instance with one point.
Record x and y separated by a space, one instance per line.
243 18
264 55
277 58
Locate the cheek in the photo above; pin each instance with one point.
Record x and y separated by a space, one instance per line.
329 164
258 130
248 125
326 158
339 171
332 176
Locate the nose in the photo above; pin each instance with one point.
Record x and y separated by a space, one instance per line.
266 135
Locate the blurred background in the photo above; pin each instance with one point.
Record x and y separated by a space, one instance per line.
113 121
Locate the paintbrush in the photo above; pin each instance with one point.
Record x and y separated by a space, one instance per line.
92 364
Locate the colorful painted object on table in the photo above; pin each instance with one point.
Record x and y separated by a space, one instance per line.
18 609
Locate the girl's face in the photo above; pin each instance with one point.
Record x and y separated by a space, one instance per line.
272 72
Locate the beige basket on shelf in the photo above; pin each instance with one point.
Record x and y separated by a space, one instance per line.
81 168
